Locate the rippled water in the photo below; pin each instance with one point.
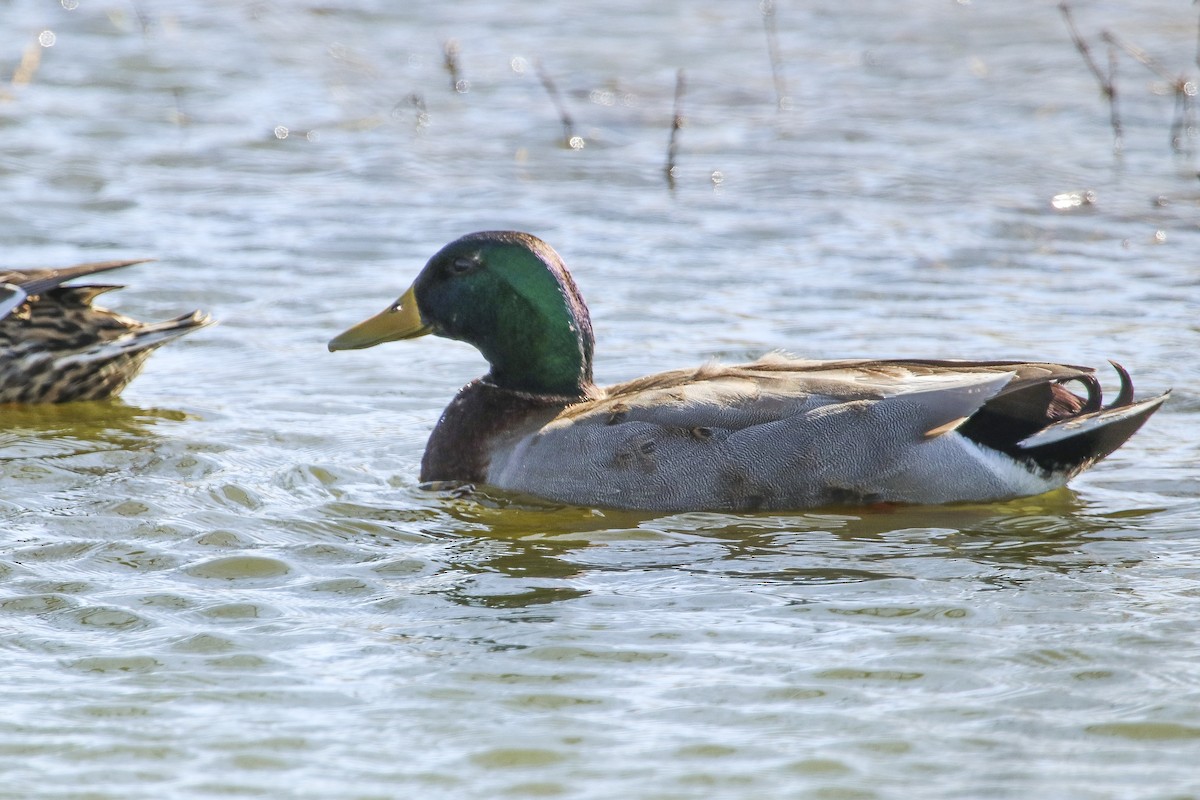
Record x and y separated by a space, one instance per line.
229 584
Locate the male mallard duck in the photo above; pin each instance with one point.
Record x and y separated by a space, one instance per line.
778 433
55 346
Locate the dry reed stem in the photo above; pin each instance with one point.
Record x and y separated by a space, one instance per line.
676 124
572 141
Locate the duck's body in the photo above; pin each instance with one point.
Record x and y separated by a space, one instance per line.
779 433
55 346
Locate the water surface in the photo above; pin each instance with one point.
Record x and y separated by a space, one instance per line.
228 583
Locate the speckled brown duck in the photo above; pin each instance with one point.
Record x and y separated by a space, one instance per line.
778 433
55 346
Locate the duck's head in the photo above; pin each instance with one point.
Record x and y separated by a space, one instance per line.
508 294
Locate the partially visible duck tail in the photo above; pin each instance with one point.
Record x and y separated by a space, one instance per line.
55 346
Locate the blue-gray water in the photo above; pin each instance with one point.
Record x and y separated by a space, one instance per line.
228 584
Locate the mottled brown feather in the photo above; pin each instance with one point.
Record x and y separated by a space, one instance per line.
57 347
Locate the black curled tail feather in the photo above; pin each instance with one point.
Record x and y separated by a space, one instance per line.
1125 395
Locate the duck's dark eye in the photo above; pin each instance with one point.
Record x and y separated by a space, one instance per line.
461 266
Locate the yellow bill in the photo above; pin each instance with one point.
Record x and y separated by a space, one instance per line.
401 320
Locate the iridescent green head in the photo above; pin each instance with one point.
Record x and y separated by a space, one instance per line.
508 294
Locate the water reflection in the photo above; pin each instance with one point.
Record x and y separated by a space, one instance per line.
507 552
65 428
68 459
